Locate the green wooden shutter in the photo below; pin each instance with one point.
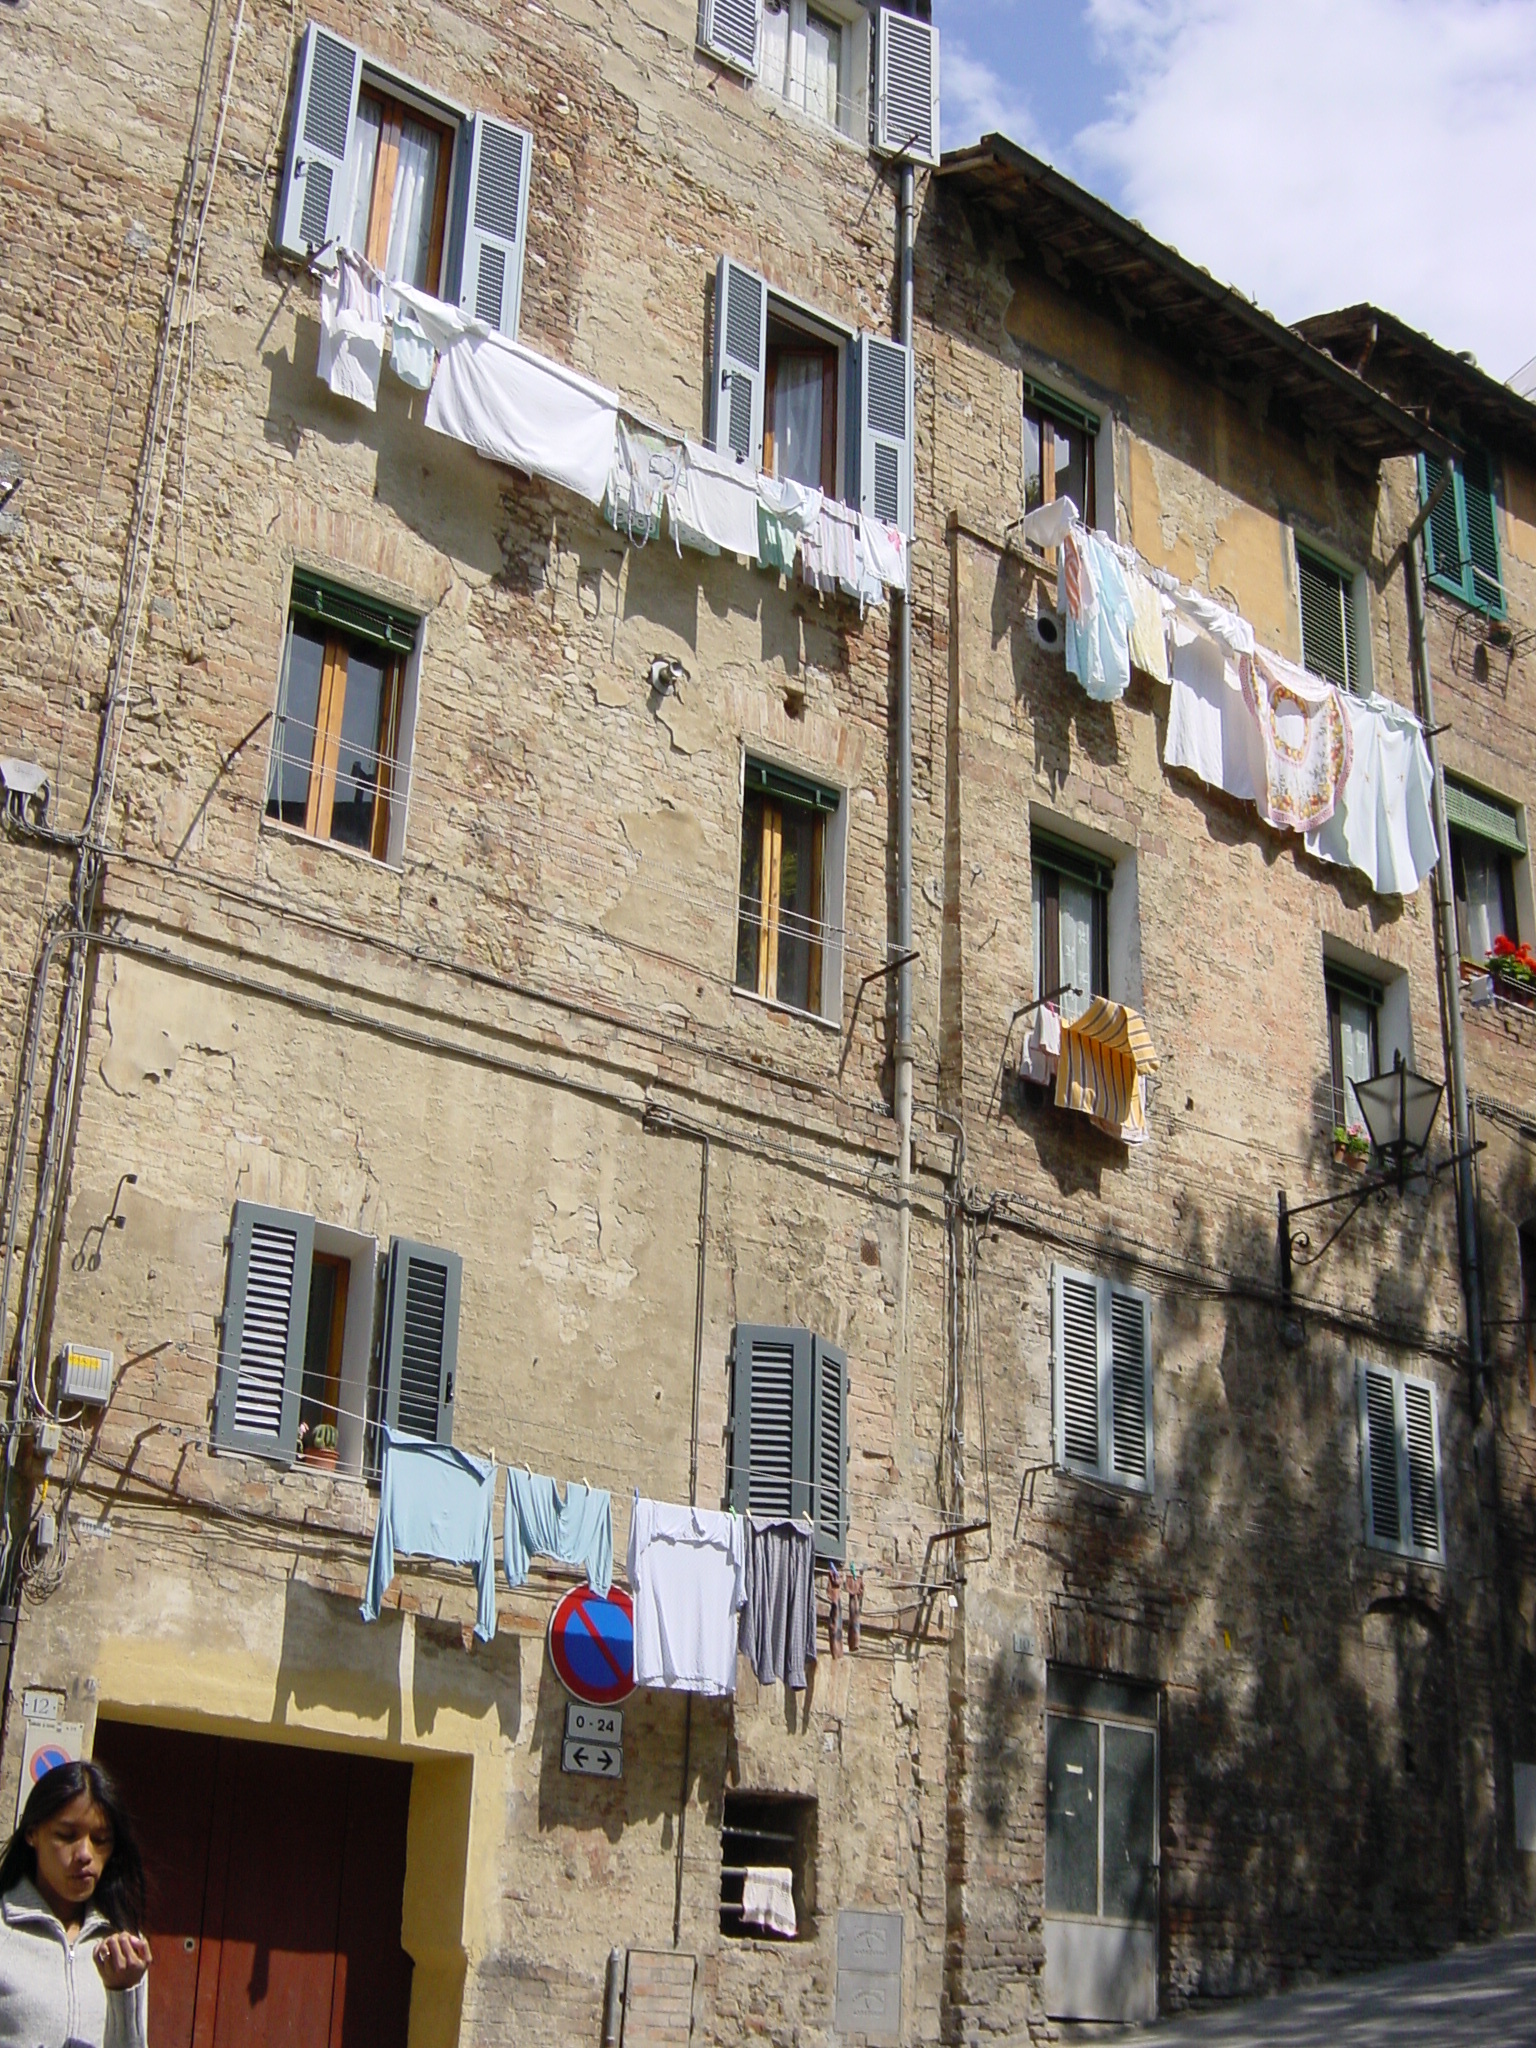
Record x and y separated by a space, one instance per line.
421 1340
1129 1429
266 1313
771 1403
1076 1344
1442 535
1484 584
1379 1477
829 1445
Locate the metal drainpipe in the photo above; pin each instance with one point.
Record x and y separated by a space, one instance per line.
903 603
1450 955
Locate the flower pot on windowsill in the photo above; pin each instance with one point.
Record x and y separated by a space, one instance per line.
1513 986
1351 1150
317 1447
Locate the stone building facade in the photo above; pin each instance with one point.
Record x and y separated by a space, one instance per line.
512 1030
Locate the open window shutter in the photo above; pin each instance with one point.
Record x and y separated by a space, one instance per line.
266 1312
1076 1316
829 1439
421 1340
771 1402
907 94
1422 1433
490 222
1130 1391
729 30
1442 535
317 189
741 361
1378 1457
1485 586
880 437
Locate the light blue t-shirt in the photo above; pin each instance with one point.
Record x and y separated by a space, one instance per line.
434 1501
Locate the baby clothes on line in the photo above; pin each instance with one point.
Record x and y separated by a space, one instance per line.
645 467
778 1622
1099 612
687 1580
434 1501
577 1530
713 505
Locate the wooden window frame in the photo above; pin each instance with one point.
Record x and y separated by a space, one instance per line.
778 788
1337 985
1308 558
1463 579
1507 901
1051 865
1066 420
393 113
805 345
322 769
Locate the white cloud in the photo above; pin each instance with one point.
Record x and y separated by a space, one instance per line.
1320 152
975 100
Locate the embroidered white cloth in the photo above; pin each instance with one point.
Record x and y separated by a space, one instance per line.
1384 821
351 329
713 504
688 1582
1305 734
768 1898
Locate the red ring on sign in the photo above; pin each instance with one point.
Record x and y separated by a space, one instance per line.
592 1645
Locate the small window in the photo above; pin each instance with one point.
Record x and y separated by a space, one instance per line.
1461 540
1486 842
1070 889
399 164
1059 445
1102 1371
808 59
340 743
782 924
768 1867
1400 1464
1354 1040
1329 639
789 1431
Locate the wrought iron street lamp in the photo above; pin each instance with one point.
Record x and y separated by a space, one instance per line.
1399 1108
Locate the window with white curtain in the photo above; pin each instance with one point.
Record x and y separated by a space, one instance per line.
1354 1008
1070 888
808 59
399 158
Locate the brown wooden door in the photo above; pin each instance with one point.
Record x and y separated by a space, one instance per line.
276 1884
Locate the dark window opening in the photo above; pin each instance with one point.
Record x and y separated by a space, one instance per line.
1058 454
399 189
772 1837
1484 879
800 408
325 1329
1528 1304
1070 887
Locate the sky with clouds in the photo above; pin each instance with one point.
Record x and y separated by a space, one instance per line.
1313 153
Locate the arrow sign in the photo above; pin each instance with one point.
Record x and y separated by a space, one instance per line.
592 1759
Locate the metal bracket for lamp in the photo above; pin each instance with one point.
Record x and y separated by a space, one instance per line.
1399 1108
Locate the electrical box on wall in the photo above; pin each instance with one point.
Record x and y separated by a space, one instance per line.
87 1376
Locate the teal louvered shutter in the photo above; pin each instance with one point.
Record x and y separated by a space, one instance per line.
266 1313
1442 531
1076 1346
731 30
770 1421
1484 583
880 432
741 361
1379 1477
907 87
316 193
421 1340
1130 1385
1423 1530
1325 634
489 230
829 1448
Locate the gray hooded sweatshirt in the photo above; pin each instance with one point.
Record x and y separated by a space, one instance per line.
51 1993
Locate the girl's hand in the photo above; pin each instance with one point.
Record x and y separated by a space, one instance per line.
122 1960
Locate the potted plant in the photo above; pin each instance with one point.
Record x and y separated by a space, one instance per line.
317 1444
1351 1145
1513 968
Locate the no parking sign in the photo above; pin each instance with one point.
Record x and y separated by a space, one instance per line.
592 1646
48 1743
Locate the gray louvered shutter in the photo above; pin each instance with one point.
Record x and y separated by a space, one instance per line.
1130 1390
770 1421
1424 1531
316 193
1076 1344
880 433
421 1340
829 1448
907 88
266 1314
1324 619
730 30
741 361
489 230
1379 1457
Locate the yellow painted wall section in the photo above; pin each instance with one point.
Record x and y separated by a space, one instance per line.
1520 511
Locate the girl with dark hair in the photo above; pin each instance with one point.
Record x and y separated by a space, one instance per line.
70 1881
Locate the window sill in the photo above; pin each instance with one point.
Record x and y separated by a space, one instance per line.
1117 1489
274 828
778 104
1458 595
1391 1553
750 995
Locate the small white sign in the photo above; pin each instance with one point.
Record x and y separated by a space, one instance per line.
48 1743
592 1759
597 1724
42 1706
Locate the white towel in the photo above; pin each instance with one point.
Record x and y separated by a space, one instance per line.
351 329
768 1899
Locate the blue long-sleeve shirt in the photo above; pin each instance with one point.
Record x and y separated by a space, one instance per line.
434 1501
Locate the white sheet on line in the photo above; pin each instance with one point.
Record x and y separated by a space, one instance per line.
1211 731
1384 822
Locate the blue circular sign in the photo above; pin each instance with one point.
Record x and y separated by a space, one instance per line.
592 1646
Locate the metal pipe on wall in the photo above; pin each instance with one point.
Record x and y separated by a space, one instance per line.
903 608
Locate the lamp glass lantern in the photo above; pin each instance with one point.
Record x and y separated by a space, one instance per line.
1399 1108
